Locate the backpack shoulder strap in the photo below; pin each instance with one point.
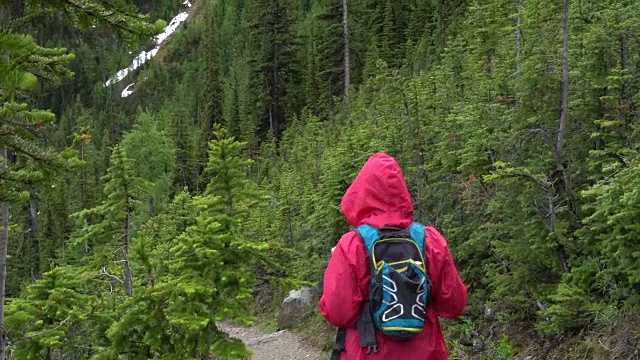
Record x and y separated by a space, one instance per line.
369 236
417 232
365 326
340 344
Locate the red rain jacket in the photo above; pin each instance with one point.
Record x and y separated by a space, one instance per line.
379 197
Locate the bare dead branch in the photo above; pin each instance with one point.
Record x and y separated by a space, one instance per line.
44 332
543 307
544 185
544 133
104 272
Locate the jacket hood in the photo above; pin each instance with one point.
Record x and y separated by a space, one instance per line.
378 196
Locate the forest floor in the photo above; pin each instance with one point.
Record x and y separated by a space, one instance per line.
281 345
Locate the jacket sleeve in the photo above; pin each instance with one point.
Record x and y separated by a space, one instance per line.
450 293
341 299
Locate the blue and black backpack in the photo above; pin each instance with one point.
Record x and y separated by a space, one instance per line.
399 289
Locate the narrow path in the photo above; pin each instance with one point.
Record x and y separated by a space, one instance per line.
280 345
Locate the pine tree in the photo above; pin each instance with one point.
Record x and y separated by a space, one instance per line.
23 160
212 87
311 30
142 328
212 275
185 138
113 220
275 62
331 51
389 45
44 320
153 154
118 17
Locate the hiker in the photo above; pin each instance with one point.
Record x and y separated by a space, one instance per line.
379 199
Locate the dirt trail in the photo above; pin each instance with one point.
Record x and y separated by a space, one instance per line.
280 345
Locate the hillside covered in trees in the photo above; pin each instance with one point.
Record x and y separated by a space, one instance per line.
132 224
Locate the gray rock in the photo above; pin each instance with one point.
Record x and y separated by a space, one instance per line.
295 308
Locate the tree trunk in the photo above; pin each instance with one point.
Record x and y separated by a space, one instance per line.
209 336
347 61
33 233
212 331
83 183
128 282
518 42
271 119
4 241
418 199
290 226
83 189
562 190
565 87
516 89
18 9
622 112
72 334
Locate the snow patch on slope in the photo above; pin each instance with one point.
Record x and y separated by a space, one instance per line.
144 56
126 92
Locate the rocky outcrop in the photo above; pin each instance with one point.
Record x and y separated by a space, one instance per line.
295 308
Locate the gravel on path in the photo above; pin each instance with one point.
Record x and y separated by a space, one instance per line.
280 345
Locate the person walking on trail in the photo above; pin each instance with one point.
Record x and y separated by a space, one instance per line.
372 311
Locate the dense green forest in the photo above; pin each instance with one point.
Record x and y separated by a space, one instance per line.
133 224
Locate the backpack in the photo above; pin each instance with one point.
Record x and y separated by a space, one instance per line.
399 289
